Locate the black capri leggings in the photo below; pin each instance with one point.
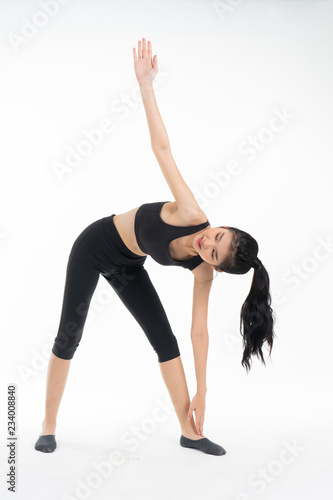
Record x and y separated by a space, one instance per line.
97 250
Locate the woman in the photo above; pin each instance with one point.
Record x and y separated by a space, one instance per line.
173 233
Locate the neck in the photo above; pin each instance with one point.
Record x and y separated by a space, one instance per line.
187 243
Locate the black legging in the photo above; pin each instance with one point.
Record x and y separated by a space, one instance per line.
97 250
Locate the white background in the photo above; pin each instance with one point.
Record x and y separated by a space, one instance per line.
226 69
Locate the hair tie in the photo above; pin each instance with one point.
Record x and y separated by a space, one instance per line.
257 263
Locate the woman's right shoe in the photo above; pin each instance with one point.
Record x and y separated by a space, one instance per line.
46 443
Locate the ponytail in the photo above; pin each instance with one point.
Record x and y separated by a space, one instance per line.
256 317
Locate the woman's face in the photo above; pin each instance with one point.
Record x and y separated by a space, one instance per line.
213 244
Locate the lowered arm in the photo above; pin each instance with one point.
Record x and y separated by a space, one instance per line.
203 275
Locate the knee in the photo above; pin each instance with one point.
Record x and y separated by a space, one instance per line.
60 355
61 352
168 352
66 342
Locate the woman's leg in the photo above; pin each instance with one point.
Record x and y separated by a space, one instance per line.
174 378
137 292
81 280
57 373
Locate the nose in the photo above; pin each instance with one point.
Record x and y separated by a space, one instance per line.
206 242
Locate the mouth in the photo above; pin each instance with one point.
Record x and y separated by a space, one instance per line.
199 242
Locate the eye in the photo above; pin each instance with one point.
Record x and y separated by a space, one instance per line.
215 240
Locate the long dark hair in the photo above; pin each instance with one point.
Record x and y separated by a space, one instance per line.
256 317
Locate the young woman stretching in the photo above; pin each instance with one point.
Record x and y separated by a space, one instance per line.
174 233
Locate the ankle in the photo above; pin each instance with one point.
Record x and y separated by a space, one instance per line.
189 430
48 427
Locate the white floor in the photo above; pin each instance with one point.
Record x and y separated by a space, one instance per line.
288 458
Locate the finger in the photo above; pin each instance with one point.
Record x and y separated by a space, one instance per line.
134 54
201 427
190 412
149 51
144 48
139 49
199 424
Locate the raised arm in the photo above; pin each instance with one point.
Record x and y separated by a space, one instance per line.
146 69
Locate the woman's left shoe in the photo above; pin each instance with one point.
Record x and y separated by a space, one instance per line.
204 444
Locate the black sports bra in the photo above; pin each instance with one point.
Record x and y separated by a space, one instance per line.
154 235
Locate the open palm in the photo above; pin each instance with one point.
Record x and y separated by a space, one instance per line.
146 67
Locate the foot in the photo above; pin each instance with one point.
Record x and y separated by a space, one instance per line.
203 444
46 443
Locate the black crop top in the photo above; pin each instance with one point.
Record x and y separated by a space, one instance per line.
154 235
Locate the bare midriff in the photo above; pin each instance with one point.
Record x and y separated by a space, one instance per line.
125 226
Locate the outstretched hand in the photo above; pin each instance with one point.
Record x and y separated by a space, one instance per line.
146 68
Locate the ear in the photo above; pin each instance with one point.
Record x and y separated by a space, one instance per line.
215 269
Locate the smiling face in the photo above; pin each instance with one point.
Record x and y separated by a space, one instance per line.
213 244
